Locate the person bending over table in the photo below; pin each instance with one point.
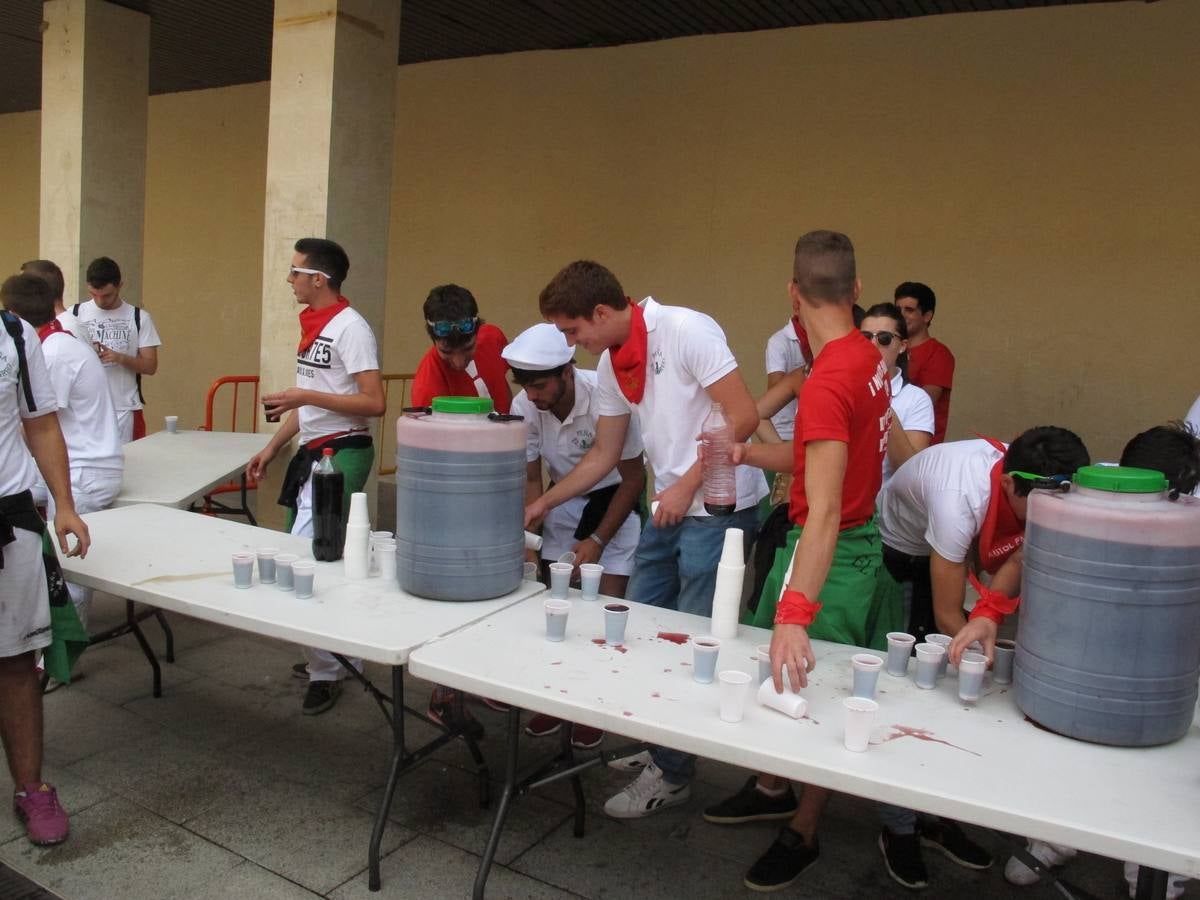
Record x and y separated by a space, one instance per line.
338 390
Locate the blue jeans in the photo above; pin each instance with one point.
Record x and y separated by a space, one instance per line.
676 568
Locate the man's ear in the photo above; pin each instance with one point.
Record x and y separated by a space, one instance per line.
1008 484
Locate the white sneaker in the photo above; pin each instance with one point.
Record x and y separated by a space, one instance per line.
1175 883
632 763
1049 855
649 793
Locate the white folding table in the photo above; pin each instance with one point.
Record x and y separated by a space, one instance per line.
173 560
983 763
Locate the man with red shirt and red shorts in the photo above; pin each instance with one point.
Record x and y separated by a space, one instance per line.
930 362
465 359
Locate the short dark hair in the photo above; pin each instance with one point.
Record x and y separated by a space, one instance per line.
101 271
451 303
29 297
326 256
49 273
823 267
889 311
524 376
580 287
1045 450
922 293
1173 449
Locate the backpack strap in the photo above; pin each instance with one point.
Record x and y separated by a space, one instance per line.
75 309
13 326
137 328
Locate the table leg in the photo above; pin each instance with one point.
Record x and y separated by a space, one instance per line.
567 755
246 503
131 623
167 633
510 788
389 791
1151 884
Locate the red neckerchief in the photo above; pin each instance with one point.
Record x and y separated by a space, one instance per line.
52 327
802 334
1001 534
313 320
629 359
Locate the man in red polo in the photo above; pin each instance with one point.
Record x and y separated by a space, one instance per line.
465 359
930 362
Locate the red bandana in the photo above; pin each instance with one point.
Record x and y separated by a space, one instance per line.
1001 534
802 334
313 320
629 359
52 327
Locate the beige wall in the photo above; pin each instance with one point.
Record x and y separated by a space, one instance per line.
1037 168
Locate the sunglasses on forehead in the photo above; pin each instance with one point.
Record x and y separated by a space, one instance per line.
883 338
446 328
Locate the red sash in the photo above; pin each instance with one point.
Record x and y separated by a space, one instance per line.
52 327
1001 534
313 320
629 359
805 346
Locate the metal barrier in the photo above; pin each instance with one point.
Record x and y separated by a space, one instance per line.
385 460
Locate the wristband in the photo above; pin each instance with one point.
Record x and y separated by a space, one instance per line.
599 540
795 609
992 604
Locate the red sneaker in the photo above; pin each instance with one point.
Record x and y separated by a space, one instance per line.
45 820
542 725
584 737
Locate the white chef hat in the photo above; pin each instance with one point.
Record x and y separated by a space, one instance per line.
538 349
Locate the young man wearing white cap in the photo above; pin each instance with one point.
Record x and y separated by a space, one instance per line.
559 406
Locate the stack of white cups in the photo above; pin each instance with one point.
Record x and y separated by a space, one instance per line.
356 556
727 595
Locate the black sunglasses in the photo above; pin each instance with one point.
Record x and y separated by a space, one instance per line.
884 338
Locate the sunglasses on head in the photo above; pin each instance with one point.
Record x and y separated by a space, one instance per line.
446 328
883 338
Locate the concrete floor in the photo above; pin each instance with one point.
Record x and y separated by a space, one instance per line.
221 789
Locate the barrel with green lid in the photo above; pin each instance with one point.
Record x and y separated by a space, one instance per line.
460 497
1108 642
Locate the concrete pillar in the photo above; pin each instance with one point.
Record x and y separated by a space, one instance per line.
95 82
329 160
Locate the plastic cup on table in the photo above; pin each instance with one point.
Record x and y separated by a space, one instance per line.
970 676
860 716
304 572
172 423
556 619
560 580
900 647
283 571
763 651
530 571
1004 655
373 566
864 670
733 695
385 556
616 616
929 657
943 641
243 570
266 564
589 580
705 649
568 558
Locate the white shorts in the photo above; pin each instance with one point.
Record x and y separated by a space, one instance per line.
24 602
558 536
92 490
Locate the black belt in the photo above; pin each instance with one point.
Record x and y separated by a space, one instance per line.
300 467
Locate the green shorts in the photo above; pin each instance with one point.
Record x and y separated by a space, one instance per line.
853 610
355 466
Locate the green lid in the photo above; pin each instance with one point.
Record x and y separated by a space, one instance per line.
472 406
1121 479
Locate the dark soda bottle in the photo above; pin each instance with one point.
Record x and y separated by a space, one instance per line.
329 528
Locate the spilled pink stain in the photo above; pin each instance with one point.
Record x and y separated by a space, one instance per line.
685 663
546 686
655 695
562 690
675 637
666 670
557 663
922 734
599 642
627 713
615 671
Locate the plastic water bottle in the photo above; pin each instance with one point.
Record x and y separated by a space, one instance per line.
329 528
720 485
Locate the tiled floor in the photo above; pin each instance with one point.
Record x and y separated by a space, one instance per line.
221 790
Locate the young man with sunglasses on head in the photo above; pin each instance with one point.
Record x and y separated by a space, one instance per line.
465 359
338 391
930 362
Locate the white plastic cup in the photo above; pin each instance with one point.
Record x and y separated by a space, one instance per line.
1003 657
243 570
556 619
533 541
373 558
589 580
764 662
864 670
929 657
616 617
568 558
900 646
266 564
385 555
733 695
304 572
943 641
970 676
733 552
358 510
172 423
283 571
860 716
705 649
530 571
560 580
789 702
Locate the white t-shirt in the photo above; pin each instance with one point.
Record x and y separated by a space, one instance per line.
18 471
114 328
74 324
938 499
686 352
784 355
913 408
1193 416
345 347
85 409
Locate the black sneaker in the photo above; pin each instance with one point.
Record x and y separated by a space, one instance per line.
300 670
752 805
902 856
784 862
320 696
947 836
